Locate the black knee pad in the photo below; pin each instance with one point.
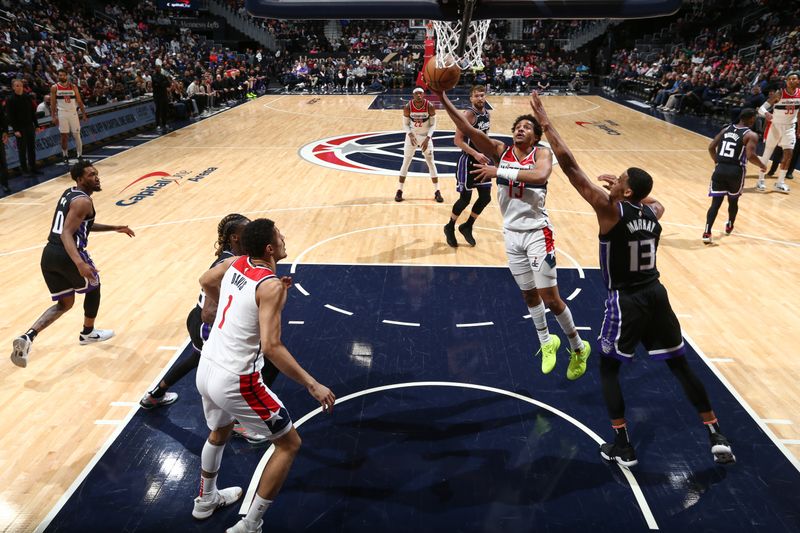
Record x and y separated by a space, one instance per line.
462 202
484 197
91 303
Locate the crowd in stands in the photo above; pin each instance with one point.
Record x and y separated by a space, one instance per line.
113 55
708 73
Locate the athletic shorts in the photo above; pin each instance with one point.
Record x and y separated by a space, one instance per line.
198 330
532 257
62 276
727 180
69 123
410 149
464 180
642 314
782 135
228 397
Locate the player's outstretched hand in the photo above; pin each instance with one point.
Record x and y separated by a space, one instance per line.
323 395
126 230
538 108
484 172
608 180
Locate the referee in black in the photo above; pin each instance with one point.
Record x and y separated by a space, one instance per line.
161 84
21 113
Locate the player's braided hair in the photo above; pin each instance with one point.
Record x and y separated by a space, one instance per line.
226 228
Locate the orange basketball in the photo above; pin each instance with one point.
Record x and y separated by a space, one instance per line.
440 79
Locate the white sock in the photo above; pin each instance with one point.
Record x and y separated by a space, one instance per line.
257 510
79 145
210 461
540 323
781 175
400 185
568 326
436 186
64 152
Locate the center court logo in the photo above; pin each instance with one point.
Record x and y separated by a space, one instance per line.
382 153
158 180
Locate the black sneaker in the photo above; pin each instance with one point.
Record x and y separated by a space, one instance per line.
622 454
728 227
721 448
66 160
398 196
438 197
466 230
450 235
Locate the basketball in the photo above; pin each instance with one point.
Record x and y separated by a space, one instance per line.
440 79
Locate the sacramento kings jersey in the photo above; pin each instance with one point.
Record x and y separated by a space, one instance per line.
522 204
222 257
628 251
420 118
82 235
65 99
785 110
731 147
235 343
481 123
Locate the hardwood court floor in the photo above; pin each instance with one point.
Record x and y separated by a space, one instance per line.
737 299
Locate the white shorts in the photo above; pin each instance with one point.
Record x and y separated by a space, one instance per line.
409 149
69 123
532 257
782 135
228 397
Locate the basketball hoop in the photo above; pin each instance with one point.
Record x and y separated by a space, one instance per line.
461 43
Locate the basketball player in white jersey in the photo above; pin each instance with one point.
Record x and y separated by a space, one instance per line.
244 301
521 172
781 131
419 123
64 101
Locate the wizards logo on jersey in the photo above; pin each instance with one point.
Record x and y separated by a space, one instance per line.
155 181
382 153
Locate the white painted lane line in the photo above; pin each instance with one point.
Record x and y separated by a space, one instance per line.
475 325
338 309
21 203
790 441
397 323
789 456
777 421
168 348
111 439
722 359
297 322
575 293
108 422
124 404
583 328
629 475
302 290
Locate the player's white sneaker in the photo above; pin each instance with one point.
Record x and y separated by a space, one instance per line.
149 401
205 507
96 335
20 351
782 187
242 527
761 186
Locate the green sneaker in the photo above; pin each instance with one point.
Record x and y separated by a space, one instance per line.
577 361
548 351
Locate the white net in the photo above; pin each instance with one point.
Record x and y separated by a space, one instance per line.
447 38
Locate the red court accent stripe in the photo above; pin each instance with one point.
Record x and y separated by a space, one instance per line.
150 175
